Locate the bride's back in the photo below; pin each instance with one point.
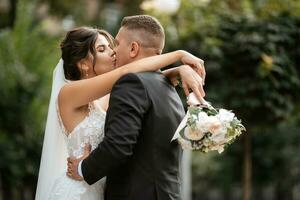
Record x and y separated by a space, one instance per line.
89 131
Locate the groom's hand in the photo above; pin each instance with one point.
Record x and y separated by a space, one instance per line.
73 162
191 81
196 63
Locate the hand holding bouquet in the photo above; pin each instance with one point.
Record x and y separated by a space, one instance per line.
207 129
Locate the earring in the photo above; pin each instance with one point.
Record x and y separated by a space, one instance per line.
86 74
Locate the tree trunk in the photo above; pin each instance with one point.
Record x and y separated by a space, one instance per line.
247 172
13 12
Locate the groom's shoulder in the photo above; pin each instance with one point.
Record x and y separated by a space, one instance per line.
127 78
140 77
143 79
150 76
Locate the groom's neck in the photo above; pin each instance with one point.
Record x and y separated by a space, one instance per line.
141 56
144 55
147 52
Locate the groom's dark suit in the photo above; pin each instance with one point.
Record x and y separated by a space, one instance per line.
137 154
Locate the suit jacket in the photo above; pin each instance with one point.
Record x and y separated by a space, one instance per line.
137 154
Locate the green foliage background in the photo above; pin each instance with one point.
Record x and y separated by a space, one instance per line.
251 52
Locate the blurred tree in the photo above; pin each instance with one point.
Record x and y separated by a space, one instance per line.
250 51
97 13
7 13
260 60
26 58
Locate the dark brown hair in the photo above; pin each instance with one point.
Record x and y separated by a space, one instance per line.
76 45
149 28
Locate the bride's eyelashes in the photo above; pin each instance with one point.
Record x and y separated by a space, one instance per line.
102 48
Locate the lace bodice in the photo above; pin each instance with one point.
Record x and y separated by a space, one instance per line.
90 130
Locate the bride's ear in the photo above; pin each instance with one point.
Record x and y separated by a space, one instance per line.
135 48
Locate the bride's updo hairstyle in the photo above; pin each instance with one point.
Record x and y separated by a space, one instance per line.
77 45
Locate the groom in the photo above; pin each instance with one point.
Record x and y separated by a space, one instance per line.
136 154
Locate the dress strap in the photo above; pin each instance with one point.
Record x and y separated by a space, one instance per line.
91 108
64 130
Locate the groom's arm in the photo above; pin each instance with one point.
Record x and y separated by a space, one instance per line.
128 103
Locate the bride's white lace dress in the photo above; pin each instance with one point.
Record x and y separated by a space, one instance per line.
90 130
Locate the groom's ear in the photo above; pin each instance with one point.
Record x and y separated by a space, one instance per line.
135 48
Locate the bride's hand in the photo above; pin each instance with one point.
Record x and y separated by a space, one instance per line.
73 162
195 63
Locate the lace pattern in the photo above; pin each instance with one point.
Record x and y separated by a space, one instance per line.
89 131
68 189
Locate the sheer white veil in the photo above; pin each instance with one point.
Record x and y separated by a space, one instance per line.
54 154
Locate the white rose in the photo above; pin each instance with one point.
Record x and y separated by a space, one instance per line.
218 138
219 135
193 135
221 130
202 116
213 124
225 115
202 122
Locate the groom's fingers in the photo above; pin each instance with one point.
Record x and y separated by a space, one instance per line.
174 81
69 166
87 149
201 92
69 174
201 71
197 92
71 159
185 88
200 85
196 86
70 170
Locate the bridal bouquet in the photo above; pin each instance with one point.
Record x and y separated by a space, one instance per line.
207 129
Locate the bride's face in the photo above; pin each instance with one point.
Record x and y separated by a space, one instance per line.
105 58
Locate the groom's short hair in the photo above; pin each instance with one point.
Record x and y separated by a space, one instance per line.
145 29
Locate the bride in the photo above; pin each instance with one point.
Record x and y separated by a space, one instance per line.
81 84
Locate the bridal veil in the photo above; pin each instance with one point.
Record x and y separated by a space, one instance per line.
54 154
